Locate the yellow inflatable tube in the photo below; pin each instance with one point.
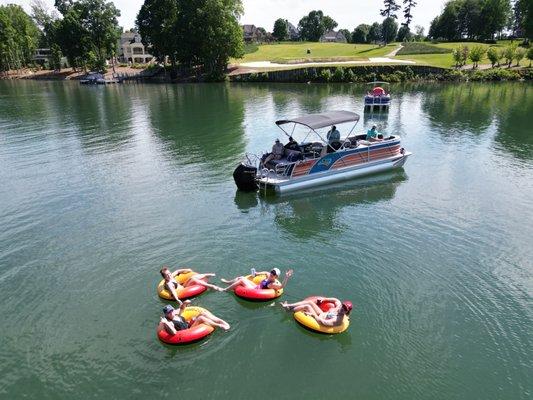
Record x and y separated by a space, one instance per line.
182 294
311 323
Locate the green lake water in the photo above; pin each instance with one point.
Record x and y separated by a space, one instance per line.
101 186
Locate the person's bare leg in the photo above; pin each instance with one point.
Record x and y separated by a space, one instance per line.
304 303
202 319
213 317
240 282
231 280
306 309
196 281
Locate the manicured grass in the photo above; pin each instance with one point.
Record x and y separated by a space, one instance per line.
446 60
421 48
298 50
436 60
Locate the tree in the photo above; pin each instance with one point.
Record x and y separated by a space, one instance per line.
519 54
314 25
55 57
389 29
529 55
18 38
493 55
89 29
526 8
476 55
346 34
374 33
460 55
281 29
419 33
360 34
407 11
390 8
156 22
208 34
509 54
471 19
495 15
404 34
329 23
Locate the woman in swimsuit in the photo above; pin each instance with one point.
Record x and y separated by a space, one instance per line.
332 317
174 287
270 282
172 321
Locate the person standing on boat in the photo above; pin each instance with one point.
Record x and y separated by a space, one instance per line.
277 152
333 135
372 135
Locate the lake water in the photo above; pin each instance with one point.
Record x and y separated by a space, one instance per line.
101 186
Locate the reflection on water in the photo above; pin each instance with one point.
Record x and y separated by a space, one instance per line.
200 123
316 211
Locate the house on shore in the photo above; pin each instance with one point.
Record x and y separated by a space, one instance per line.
42 56
131 49
333 37
254 34
294 34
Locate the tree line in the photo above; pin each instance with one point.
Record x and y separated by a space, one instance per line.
314 25
482 19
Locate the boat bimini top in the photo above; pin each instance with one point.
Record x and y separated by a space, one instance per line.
318 121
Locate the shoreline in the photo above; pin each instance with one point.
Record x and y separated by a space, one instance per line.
313 73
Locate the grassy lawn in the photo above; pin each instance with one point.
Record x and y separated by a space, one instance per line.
436 60
446 60
298 51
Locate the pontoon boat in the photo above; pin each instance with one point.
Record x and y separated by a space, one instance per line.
378 98
321 161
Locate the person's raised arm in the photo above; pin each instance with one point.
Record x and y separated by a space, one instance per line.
276 286
169 327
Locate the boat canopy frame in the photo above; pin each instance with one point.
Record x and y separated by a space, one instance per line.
319 121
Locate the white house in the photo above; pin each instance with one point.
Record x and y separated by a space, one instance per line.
131 49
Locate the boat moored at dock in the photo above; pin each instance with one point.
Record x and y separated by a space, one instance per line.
305 164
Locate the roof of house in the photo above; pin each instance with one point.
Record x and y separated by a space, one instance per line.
249 29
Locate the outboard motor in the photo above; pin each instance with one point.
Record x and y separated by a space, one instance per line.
244 176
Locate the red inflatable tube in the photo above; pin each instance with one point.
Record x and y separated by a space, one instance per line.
323 305
187 335
191 291
257 294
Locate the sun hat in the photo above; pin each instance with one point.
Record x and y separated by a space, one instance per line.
275 271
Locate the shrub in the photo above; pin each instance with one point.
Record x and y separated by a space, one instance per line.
338 75
519 54
476 54
529 55
460 55
509 54
349 75
325 75
493 55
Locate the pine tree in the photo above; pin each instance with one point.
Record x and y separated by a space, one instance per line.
409 5
390 9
